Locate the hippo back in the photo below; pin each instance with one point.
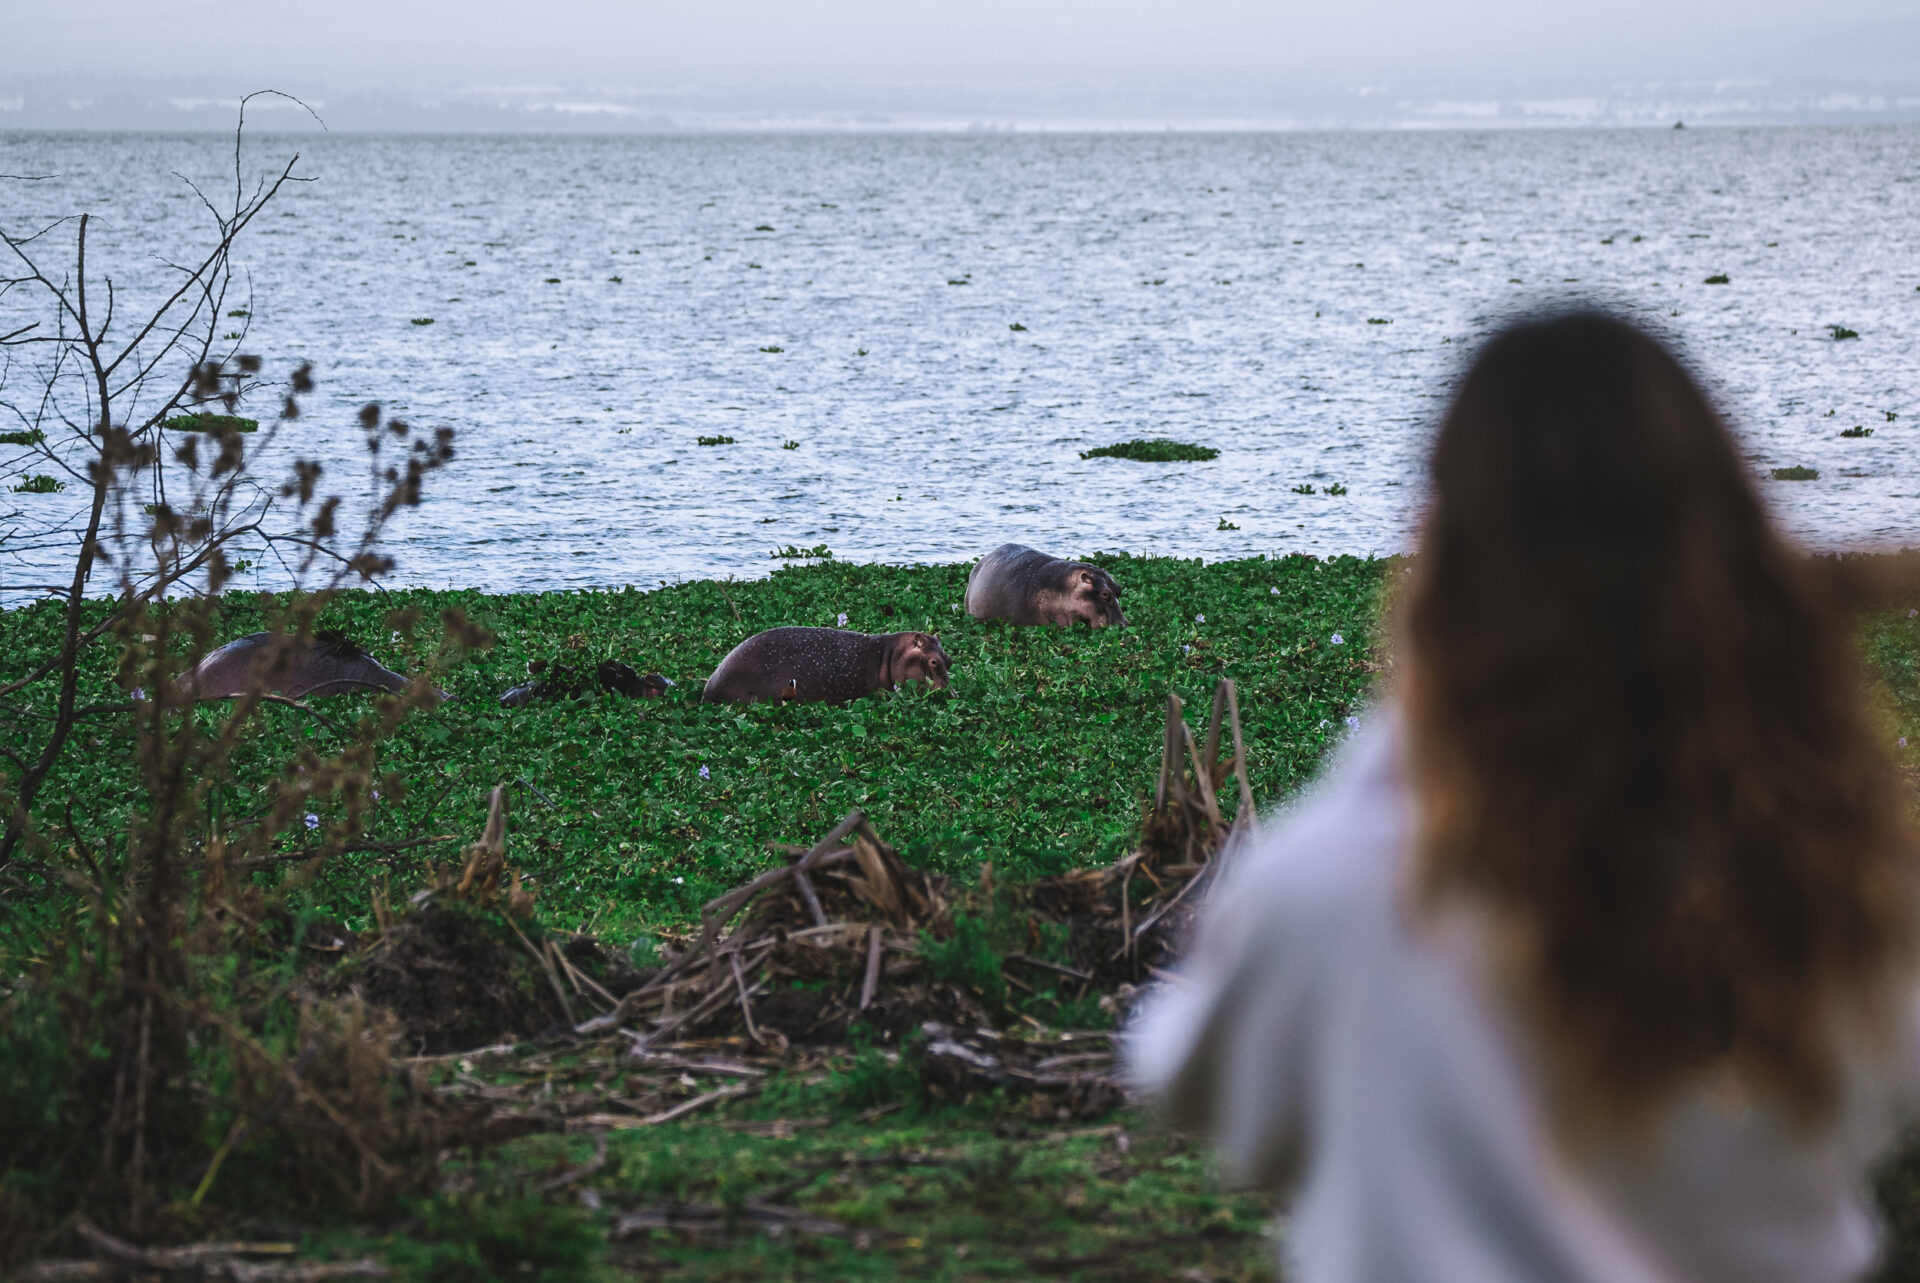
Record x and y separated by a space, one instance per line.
328 665
811 664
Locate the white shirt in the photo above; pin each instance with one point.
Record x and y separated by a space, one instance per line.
1327 1039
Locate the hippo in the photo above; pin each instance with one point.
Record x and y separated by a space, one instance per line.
827 665
1023 586
562 683
328 664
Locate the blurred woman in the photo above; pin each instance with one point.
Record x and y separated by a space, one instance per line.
1593 956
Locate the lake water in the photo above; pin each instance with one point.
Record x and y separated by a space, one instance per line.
1298 301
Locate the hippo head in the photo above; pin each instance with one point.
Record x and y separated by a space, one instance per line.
918 657
1093 598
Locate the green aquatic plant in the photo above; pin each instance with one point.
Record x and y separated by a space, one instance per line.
713 441
1018 328
1891 416
1718 278
764 227
789 444
791 552
1158 450
1303 488
34 436
423 320
860 351
232 334
1856 432
775 348
1795 473
1336 489
211 423
239 311
614 280
40 485
1842 332
1378 320
1226 525
553 280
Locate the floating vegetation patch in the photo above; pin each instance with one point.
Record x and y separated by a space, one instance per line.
614 280
789 445
1891 416
713 440
553 280
1842 332
1378 320
239 311
1018 328
1336 489
1226 525
819 552
1303 488
764 227
961 280
211 423
423 320
773 349
1795 473
1158 450
34 436
40 485
1718 278
1856 432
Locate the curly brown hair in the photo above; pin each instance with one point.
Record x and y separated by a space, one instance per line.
1639 736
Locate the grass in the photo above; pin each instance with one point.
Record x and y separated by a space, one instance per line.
1039 756
1158 450
211 423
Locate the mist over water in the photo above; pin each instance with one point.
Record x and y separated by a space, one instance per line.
1298 301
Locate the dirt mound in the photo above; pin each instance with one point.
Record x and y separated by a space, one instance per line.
454 982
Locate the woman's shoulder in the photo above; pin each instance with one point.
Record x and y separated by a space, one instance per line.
1340 847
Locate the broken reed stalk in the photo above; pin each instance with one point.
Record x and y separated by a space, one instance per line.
876 945
718 912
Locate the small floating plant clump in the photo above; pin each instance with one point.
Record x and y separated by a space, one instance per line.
32 436
1379 320
1303 488
773 349
789 445
1842 332
1018 328
713 440
819 552
1158 450
40 485
1718 278
422 320
1856 432
211 423
1226 525
1336 489
1795 473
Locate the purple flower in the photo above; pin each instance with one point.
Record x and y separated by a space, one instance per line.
313 821
1338 640
1199 619
1903 741
843 619
704 775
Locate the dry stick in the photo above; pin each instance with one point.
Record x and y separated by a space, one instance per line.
1169 749
553 977
1085 977
699 1011
717 912
1147 922
1240 758
680 1110
1213 728
805 886
875 946
1200 777
740 987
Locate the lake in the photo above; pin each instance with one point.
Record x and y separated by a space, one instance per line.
940 324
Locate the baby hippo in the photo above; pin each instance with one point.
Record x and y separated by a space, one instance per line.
1023 586
328 664
827 665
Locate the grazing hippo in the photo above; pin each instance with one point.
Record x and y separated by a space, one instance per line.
329 664
562 683
1023 586
826 665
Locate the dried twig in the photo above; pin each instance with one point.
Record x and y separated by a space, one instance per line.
876 944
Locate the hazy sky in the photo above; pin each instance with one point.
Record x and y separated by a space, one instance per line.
441 42
904 53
